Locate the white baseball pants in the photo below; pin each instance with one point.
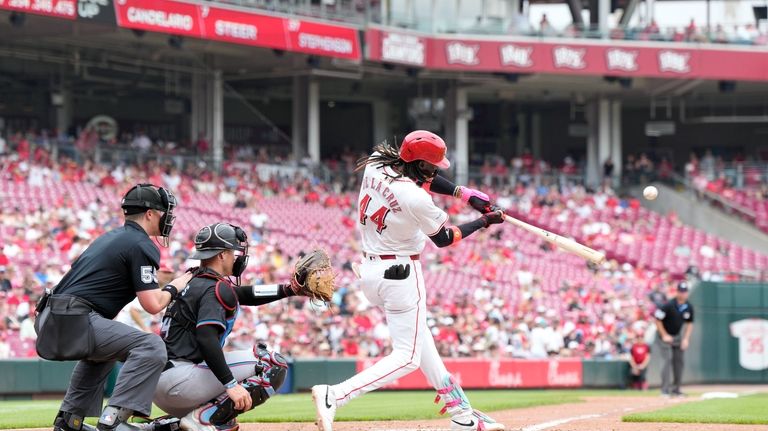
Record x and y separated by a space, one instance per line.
404 303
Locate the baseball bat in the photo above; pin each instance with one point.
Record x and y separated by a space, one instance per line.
564 243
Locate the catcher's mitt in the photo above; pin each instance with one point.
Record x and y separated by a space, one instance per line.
314 277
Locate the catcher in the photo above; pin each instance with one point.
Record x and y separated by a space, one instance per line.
201 384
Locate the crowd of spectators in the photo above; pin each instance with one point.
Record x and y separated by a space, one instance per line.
747 34
511 305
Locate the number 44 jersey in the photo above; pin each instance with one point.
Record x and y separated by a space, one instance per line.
395 215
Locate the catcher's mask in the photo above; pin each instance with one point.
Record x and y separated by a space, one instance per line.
214 239
143 197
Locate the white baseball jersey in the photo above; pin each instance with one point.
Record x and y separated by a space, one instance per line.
753 342
395 216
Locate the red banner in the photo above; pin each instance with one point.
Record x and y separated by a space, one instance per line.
237 26
322 39
614 58
58 8
159 16
502 373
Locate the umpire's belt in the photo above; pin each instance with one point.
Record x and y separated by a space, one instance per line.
388 256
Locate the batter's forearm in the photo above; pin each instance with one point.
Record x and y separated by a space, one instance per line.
453 234
263 294
441 186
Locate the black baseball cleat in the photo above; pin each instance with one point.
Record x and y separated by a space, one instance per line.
66 421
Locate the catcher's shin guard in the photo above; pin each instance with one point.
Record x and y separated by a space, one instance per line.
269 377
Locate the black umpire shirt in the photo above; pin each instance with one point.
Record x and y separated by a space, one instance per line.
673 315
112 269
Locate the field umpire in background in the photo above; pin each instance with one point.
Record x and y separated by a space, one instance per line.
674 336
75 319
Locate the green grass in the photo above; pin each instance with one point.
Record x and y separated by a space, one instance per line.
743 410
299 408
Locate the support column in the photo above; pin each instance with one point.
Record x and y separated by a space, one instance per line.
522 133
299 118
313 120
650 10
603 10
536 134
64 110
599 139
616 144
457 132
197 108
380 121
462 136
217 119
604 133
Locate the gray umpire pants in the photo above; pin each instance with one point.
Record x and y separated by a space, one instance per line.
144 356
673 357
187 386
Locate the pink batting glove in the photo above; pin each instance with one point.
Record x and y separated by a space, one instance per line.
467 193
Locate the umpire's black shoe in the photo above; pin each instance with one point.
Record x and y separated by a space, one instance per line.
66 421
116 419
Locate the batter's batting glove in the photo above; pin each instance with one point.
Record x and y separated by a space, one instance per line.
397 272
494 217
475 198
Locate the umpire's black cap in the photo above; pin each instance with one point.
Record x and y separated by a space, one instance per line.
682 286
213 239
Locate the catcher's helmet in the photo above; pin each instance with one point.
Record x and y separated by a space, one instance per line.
213 239
426 146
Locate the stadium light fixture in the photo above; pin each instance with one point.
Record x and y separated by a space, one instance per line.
17 19
313 61
176 42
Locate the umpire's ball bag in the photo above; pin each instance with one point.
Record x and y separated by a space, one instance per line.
64 330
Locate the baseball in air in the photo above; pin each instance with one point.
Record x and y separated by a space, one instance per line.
650 192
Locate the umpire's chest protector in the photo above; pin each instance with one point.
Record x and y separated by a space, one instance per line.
208 299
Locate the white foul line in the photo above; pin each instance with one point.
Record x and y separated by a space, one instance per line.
550 424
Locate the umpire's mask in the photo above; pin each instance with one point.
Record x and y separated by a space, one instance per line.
142 197
213 239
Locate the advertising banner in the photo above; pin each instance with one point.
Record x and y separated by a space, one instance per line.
499 373
520 55
238 26
56 8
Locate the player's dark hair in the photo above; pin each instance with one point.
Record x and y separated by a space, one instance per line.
389 155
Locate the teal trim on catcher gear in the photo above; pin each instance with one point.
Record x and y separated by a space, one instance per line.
270 371
453 395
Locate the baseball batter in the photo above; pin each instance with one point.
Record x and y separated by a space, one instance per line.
396 216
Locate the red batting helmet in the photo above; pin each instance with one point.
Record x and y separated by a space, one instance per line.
426 146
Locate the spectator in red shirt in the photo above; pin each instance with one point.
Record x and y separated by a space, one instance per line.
639 357
202 144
